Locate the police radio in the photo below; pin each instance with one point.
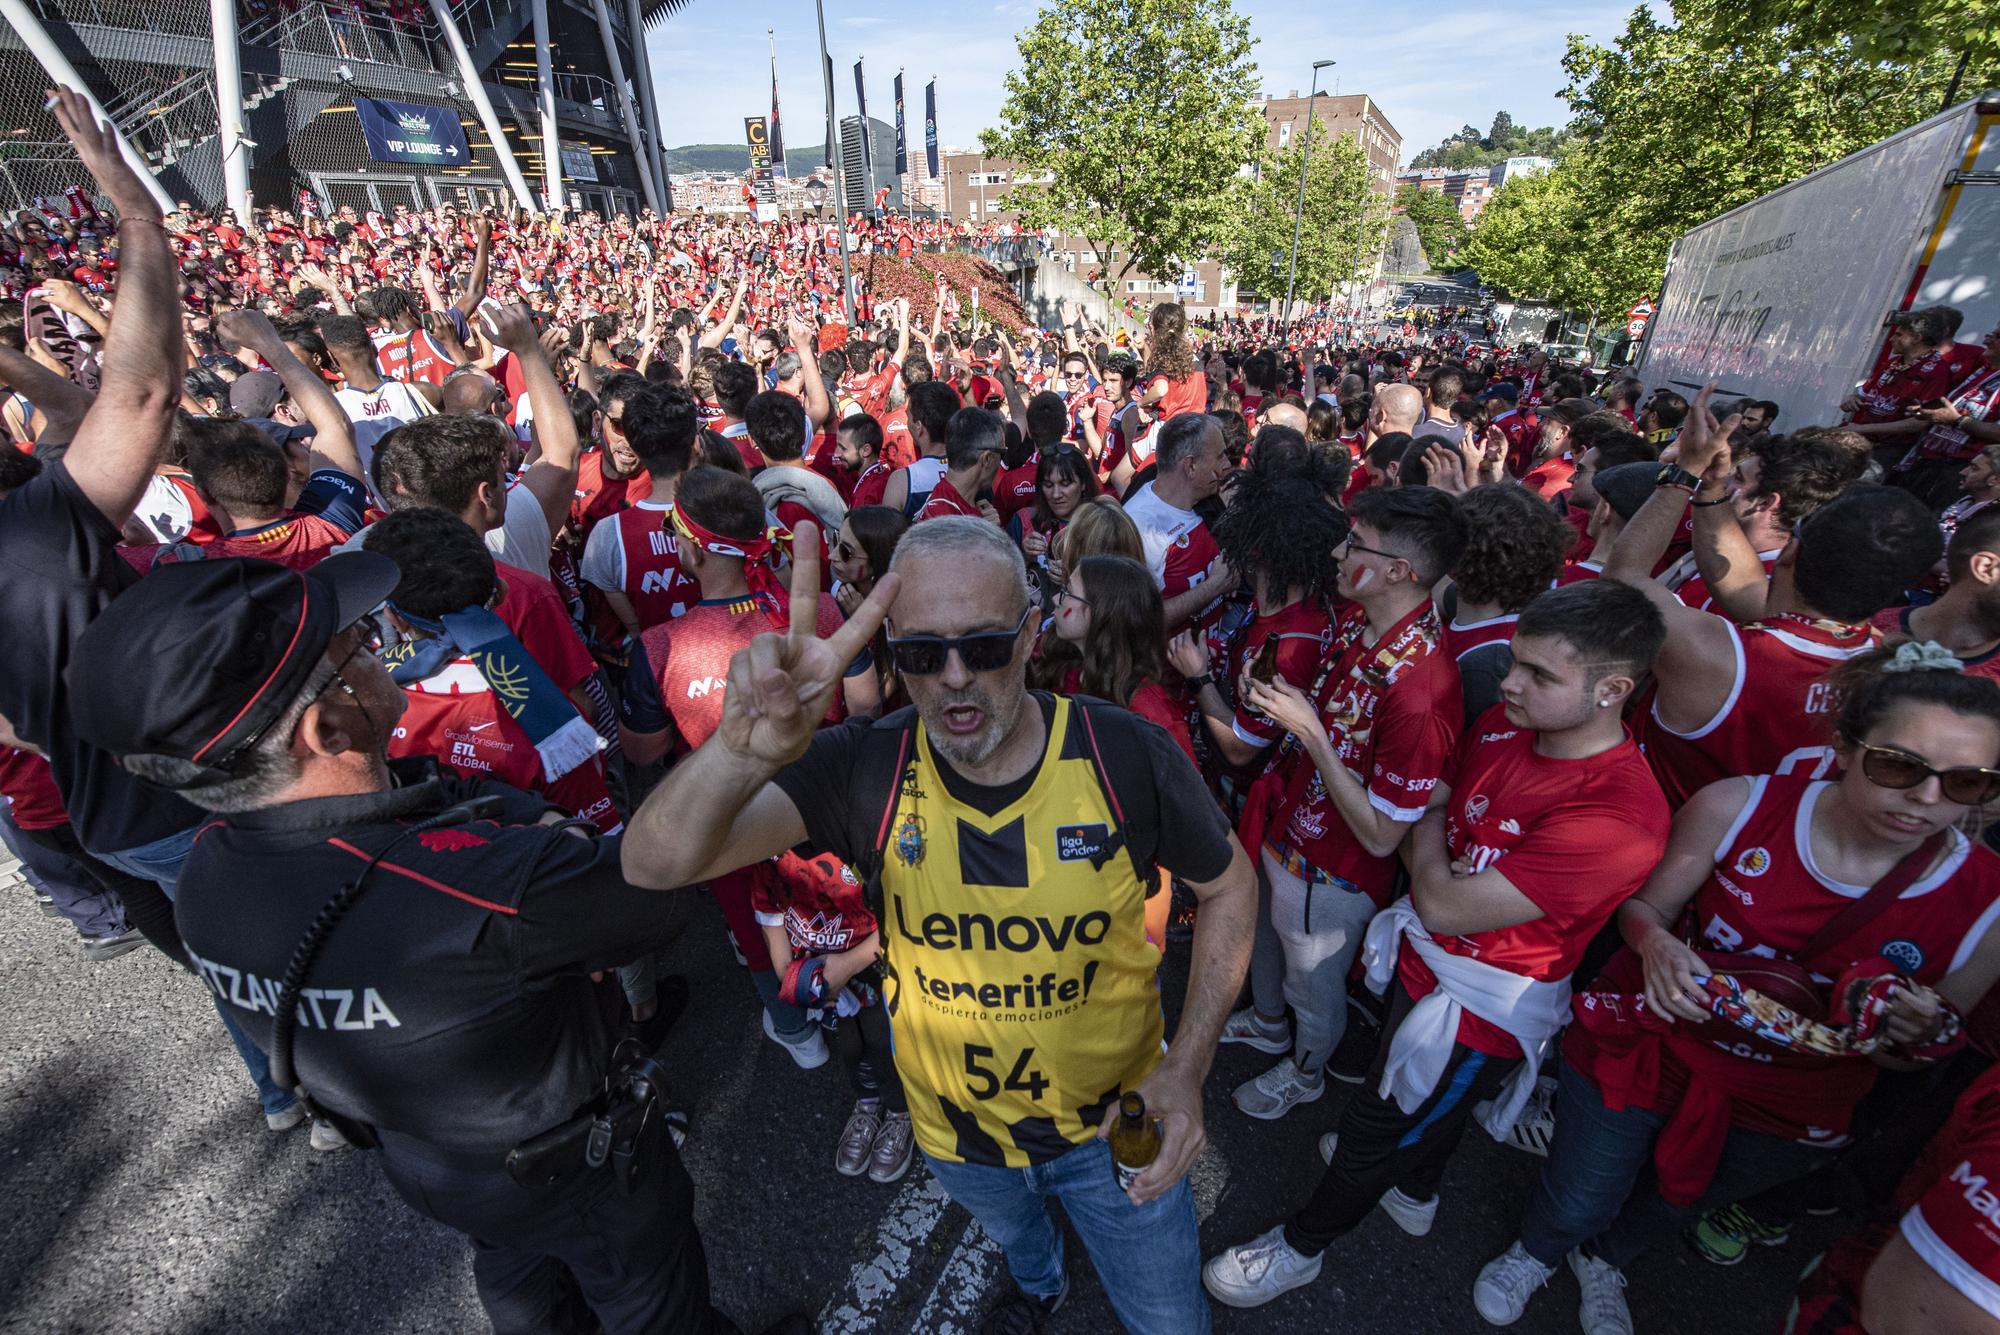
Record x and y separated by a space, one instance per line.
285 1022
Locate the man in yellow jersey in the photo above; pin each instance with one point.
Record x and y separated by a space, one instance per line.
1006 831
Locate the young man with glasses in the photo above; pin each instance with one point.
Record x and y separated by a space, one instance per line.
1368 743
1006 830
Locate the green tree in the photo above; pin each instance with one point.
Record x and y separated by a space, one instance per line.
1503 131
1909 32
1137 114
1671 131
1345 220
1440 226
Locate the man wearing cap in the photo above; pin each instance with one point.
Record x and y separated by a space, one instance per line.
59 566
449 1014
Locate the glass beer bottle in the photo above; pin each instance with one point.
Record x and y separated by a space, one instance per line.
1135 1141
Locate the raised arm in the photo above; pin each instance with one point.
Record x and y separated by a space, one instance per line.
819 406
122 437
482 258
60 401
552 477
713 338
718 810
333 432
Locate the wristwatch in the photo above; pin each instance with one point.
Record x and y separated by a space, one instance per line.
1195 684
1673 475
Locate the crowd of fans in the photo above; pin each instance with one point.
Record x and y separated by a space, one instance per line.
1615 766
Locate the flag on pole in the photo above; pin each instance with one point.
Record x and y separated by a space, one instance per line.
832 127
861 106
930 128
777 133
902 144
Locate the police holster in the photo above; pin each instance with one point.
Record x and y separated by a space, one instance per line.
614 1131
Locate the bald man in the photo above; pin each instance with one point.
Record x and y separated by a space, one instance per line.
1396 408
1284 414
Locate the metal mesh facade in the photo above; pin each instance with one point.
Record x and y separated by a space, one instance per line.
150 62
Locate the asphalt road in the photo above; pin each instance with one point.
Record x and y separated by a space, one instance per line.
142 1193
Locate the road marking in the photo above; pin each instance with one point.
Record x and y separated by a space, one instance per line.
958 1298
906 1229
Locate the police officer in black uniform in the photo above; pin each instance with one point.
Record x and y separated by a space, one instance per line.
447 1011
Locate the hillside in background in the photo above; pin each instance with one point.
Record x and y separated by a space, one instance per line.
736 158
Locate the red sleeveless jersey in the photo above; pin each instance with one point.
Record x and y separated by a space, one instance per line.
691 655
1779 714
1767 896
653 578
454 716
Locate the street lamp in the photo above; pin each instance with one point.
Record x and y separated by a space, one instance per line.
1299 217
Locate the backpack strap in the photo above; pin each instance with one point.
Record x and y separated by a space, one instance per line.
886 756
1142 799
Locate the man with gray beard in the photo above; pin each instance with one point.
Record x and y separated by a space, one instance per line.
1006 841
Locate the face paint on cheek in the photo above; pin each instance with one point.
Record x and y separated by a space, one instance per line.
1361 580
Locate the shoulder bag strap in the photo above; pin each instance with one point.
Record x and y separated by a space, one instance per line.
1847 923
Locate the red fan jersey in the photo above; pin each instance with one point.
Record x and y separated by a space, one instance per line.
1779 713
690 657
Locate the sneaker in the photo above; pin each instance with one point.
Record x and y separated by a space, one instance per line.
111 945
807 1048
894 1148
1021 1314
1255 1272
1248 1028
326 1138
1725 1236
1603 1310
286 1120
1277 1091
1506 1283
1535 1130
1413 1216
850 1156
1354 1058
47 905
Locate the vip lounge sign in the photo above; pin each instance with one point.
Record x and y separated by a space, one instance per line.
407 132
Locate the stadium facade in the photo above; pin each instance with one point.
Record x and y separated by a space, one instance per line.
573 113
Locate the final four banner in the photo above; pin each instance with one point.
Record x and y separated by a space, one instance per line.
930 128
902 145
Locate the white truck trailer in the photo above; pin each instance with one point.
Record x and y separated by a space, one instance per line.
1786 297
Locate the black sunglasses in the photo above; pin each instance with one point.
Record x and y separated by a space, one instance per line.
1968 785
981 651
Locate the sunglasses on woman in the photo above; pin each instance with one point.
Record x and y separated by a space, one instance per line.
1967 785
981 651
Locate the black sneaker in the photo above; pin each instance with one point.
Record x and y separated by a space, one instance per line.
1355 1057
112 944
670 1002
1020 1314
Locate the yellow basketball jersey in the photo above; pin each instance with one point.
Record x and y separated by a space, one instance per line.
1022 992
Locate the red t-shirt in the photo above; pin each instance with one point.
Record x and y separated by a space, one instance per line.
299 542
1575 837
816 900
1894 623
414 356
1014 489
599 497
1550 478
868 488
30 789
1302 631
691 656
1189 394
945 500
1393 710
532 609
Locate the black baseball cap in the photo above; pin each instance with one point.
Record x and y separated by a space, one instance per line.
198 659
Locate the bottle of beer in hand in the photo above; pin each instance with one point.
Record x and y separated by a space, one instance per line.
1135 1141
1265 668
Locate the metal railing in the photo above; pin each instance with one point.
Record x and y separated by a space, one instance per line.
342 33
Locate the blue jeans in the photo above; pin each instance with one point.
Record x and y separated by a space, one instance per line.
1147 1256
161 861
1599 1187
89 907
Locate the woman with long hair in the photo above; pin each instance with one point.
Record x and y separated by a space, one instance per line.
860 556
1110 641
1097 527
1064 481
1797 932
1172 383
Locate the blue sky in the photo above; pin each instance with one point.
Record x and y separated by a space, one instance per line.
1432 68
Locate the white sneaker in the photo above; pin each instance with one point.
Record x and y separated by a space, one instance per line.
1506 1283
1603 1310
326 1138
1535 1130
1413 1216
809 1050
286 1120
1253 1273
1248 1028
1277 1091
